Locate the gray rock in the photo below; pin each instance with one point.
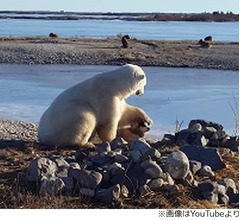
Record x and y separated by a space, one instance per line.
68 181
62 171
103 147
195 127
151 168
208 191
206 155
86 178
195 166
75 165
229 185
124 191
206 171
109 195
135 155
177 165
200 141
156 184
119 158
209 131
61 162
140 145
144 190
87 192
41 168
153 153
118 142
234 199
101 159
168 179
232 143
205 123
51 186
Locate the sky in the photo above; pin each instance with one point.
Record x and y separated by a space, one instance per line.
189 6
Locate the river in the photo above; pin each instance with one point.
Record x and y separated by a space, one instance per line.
171 93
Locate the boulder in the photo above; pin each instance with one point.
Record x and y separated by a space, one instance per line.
206 155
151 169
177 165
140 145
108 195
51 186
40 168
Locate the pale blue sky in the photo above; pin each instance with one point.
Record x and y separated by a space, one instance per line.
123 5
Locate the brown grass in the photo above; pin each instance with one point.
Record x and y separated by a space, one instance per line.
16 193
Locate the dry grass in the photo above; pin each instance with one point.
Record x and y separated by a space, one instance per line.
16 193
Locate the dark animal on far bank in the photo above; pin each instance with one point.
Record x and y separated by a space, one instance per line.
53 35
124 41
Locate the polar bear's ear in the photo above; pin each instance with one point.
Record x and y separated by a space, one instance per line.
136 74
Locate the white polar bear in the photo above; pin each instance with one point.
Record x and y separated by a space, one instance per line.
95 106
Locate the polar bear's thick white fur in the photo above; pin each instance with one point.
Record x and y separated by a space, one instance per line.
95 106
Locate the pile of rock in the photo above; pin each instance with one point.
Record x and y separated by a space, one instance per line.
119 169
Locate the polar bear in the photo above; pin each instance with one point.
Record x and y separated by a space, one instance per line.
95 106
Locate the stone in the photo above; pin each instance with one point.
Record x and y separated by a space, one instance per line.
103 147
41 168
153 153
86 178
206 155
229 184
75 165
108 195
119 158
234 200
195 128
206 171
200 141
168 179
232 143
205 123
144 190
87 192
209 131
135 155
207 191
140 145
62 171
151 168
61 162
156 184
118 142
52 186
124 191
177 165
195 166
101 159
185 137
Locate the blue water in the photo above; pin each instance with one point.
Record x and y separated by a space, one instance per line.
171 93
220 31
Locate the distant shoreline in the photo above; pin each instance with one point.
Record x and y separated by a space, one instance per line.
109 51
215 16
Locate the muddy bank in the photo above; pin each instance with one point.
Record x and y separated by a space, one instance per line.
109 51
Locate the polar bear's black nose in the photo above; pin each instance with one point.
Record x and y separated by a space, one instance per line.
138 92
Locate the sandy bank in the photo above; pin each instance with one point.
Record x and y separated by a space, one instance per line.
92 51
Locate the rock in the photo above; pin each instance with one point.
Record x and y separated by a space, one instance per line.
168 179
232 143
86 178
185 137
61 162
101 159
119 158
206 171
68 181
205 123
109 195
124 191
177 165
234 199
151 168
195 127
51 186
62 171
206 155
144 190
140 145
195 166
156 184
229 185
135 155
153 153
75 165
207 191
172 188
103 147
41 168
118 142
87 192
200 141
208 132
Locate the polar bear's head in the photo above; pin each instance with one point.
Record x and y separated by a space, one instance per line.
136 80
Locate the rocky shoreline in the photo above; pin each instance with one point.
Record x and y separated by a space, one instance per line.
192 159
109 51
